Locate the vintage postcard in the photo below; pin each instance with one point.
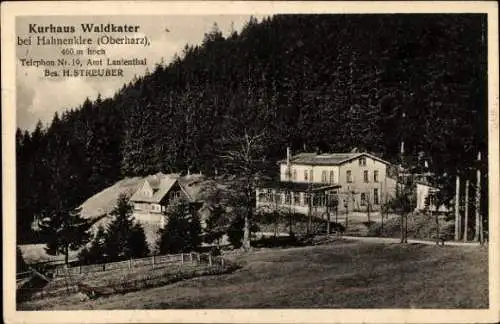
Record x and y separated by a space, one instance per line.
295 162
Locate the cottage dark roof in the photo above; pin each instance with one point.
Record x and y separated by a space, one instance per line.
329 158
160 184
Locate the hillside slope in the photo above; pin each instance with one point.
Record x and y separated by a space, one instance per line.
325 82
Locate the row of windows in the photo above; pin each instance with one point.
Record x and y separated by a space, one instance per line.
153 207
366 177
309 176
303 198
329 177
298 198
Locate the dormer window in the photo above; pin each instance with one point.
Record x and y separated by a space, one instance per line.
362 161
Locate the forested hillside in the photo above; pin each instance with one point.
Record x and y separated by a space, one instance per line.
319 82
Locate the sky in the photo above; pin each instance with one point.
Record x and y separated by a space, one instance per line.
39 97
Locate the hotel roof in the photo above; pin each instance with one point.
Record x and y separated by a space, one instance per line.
329 158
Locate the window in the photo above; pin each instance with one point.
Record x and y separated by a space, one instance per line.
294 174
323 176
365 176
349 176
375 196
375 176
296 198
276 198
332 177
306 174
288 198
319 200
362 161
306 199
269 195
312 176
363 199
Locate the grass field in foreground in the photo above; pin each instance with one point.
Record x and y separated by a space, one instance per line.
341 275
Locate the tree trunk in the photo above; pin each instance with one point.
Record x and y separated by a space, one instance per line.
328 221
402 239
477 206
457 208
246 233
309 213
346 217
406 227
368 209
466 212
66 254
437 227
381 220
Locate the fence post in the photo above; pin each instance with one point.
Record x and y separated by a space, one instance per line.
104 266
80 269
198 257
129 264
182 258
209 259
222 262
191 257
153 258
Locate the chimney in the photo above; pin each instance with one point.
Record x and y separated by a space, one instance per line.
288 155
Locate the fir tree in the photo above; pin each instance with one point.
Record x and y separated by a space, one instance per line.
64 231
124 239
138 243
183 230
95 252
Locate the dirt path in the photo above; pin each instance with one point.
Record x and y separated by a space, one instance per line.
397 240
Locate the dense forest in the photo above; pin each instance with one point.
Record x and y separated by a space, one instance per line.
313 82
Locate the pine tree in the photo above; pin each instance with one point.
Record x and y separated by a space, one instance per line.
64 231
95 252
216 224
138 243
120 231
183 230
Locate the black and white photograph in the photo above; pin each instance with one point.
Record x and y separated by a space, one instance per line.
163 158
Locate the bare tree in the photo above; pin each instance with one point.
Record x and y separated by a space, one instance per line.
457 208
478 229
245 161
466 211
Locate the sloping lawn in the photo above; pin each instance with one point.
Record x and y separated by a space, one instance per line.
341 275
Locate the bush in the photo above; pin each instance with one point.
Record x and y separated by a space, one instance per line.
271 242
235 232
420 226
21 265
